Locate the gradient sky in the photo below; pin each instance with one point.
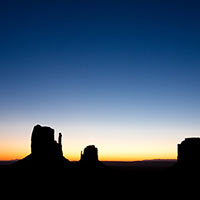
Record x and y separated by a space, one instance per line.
122 75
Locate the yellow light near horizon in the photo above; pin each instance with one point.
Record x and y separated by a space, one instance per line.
123 157
12 150
16 153
109 150
126 153
136 157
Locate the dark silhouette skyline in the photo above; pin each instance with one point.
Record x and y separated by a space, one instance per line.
47 166
46 151
123 73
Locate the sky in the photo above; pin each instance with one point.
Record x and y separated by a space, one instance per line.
122 75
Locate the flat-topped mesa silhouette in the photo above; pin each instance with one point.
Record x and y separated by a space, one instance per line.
90 154
45 151
189 153
89 159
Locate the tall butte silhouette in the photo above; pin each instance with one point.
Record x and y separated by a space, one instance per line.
45 151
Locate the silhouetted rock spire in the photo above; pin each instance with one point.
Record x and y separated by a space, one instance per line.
45 151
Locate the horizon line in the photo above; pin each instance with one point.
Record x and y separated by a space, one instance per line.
142 160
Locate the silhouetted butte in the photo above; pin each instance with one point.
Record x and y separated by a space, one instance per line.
189 153
45 151
89 159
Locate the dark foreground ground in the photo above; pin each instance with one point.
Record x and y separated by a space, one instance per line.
158 179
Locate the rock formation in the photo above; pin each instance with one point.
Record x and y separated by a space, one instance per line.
189 153
89 159
45 151
43 143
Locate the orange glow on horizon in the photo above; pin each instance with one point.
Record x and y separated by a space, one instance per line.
16 156
15 149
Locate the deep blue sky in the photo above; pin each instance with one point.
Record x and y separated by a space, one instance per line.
113 64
